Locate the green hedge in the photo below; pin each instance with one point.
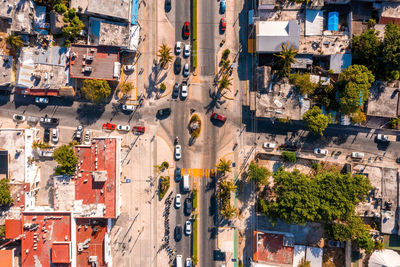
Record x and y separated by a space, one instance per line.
194 239
194 33
194 197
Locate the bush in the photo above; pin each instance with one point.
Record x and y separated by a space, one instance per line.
394 123
164 165
195 241
288 156
5 195
317 167
194 198
163 87
164 185
126 88
303 83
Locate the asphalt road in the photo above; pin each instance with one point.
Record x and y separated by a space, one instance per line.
207 31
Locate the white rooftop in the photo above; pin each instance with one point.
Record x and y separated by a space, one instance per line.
273 28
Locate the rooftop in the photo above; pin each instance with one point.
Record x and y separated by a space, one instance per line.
273 248
97 195
270 35
281 101
45 234
21 14
64 193
339 62
390 198
390 13
90 239
116 9
102 32
324 44
5 70
14 143
7 257
314 22
383 101
94 62
42 68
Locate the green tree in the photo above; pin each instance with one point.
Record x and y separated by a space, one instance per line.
316 120
354 84
5 195
358 117
2 231
60 8
258 174
366 48
15 42
224 83
371 23
66 159
163 87
288 156
225 63
73 26
126 88
165 55
285 58
303 83
326 196
391 47
96 90
224 166
226 53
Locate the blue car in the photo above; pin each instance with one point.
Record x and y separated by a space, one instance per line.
222 7
41 100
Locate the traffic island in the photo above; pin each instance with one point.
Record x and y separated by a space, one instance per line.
164 186
195 250
194 34
194 128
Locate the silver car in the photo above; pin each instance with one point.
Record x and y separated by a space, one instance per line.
186 70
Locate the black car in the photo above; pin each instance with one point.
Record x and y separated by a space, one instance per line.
5 92
46 136
175 92
188 206
178 233
163 113
177 65
398 160
167 5
178 174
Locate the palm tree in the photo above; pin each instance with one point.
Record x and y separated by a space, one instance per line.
224 166
15 42
225 65
165 55
286 58
224 83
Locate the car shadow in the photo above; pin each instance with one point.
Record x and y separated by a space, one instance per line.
217 123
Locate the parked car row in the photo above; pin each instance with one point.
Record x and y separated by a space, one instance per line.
125 128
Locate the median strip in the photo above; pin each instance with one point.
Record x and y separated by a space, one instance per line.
194 34
195 253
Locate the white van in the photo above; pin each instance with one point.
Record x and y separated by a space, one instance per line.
186 183
178 261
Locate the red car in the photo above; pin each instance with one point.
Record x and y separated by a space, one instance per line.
186 29
109 126
223 24
139 129
219 117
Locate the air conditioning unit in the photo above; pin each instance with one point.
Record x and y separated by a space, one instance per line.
92 258
88 69
89 58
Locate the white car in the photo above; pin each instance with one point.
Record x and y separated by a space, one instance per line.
178 152
178 48
186 51
184 90
188 227
123 127
79 132
268 145
186 70
87 137
357 155
188 262
128 107
382 137
41 100
129 67
18 118
178 198
54 135
319 151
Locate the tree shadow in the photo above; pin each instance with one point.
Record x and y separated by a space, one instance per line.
216 101
88 114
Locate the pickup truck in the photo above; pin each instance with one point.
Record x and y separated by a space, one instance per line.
48 120
386 138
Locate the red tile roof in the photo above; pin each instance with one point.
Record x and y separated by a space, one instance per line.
269 248
94 192
6 258
61 252
41 231
13 228
95 229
